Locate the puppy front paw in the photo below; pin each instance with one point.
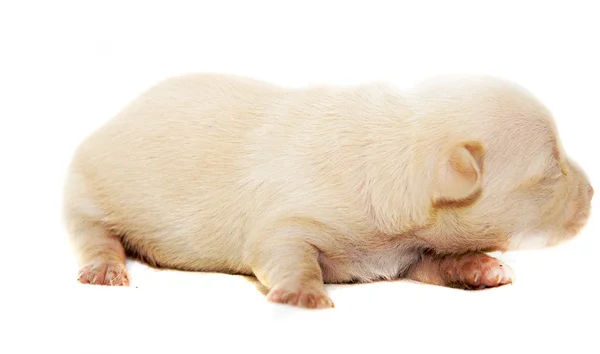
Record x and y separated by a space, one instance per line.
301 296
476 271
104 273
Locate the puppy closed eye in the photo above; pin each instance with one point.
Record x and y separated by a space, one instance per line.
547 181
550 181
554 175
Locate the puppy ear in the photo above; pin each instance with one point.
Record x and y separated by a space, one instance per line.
459 173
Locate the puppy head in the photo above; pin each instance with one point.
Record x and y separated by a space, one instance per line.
500 178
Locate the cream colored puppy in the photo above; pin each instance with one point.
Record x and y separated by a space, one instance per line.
302 187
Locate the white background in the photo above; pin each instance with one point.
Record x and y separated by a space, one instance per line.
67 67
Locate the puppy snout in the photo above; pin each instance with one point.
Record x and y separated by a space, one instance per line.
590 192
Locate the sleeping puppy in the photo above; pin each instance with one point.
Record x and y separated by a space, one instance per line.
301 187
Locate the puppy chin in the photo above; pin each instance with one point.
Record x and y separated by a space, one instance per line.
530 241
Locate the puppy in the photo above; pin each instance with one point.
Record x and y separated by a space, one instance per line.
301 187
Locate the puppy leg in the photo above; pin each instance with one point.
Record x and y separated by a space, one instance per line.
284 261
99 252
101 255
474 270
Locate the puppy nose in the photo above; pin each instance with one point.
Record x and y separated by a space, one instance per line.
590 192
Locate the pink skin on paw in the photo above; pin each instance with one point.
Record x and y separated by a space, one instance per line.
104 273
301 297
476 271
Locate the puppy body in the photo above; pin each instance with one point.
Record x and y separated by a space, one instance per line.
211 172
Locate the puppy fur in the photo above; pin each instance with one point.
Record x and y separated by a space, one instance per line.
301 187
